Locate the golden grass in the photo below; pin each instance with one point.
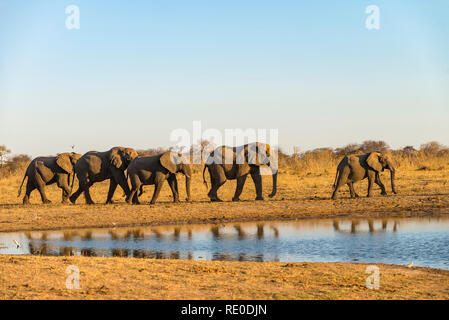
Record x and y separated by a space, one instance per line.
421 192
34 277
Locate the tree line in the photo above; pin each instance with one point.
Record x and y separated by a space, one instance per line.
430 156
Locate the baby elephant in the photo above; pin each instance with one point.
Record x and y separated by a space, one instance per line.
355 168
43 171
147 170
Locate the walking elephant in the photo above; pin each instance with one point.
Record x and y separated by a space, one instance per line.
235 163
355 168
97 166
44 171
154 170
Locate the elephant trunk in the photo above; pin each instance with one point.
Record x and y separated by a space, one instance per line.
275 179
393 177
188 180
188 174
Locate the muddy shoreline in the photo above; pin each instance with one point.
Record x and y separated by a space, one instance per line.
60 217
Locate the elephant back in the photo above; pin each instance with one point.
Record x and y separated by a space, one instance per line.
94 162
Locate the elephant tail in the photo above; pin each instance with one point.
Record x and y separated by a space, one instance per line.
204 179
336 178
20 189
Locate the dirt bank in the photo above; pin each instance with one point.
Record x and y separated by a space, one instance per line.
31 277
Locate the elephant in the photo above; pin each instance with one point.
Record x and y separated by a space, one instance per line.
44 171
97 166
355 168
149 170
235 163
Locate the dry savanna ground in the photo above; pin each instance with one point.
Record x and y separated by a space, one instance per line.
421 192
130 278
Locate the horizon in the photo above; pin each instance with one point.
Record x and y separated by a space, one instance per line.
134 73
286 152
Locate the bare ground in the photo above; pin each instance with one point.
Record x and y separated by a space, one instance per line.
31 277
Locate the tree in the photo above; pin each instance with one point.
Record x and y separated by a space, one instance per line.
409 150
352 148
3 154
432 148
374 146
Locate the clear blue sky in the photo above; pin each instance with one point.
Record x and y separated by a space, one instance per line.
136 70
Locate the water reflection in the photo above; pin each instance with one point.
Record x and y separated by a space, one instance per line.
356 226
423 240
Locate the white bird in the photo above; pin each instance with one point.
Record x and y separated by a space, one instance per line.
17 244
410 265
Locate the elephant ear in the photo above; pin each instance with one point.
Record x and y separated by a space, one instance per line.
251 153
258 153
115 159
64 162
75 157
167 160
373 161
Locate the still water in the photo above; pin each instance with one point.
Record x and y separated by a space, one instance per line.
425 241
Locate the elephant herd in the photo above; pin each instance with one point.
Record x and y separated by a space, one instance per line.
120 165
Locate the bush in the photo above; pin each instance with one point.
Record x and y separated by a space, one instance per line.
14 166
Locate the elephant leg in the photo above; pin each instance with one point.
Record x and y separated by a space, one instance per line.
43 195
257 178
371 179
75 195
141 190
112 187
133 195
352 191
217 179
238 190
61 181
40 184
173 183
120 179
135 199
380 184
29 188
84 185
158 183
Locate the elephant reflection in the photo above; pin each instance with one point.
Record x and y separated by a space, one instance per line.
356 223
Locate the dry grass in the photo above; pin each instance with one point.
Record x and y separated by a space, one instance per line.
130 278
421 192
325 161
